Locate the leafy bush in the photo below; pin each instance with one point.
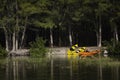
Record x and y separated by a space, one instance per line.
38 48
112 47
3 52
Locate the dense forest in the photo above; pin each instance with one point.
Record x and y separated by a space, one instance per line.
59 22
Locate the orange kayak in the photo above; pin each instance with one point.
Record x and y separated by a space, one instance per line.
91 53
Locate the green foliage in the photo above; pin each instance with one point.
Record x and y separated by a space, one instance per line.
3 52
28 9
112 47
38 48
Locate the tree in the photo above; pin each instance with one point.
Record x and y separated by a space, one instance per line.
14 17
45 17
114 18
94 10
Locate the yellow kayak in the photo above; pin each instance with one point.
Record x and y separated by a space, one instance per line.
72 54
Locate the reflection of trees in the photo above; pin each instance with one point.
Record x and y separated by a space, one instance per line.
21 69
112 72
52 68
74 72
103 72
115 73
59 69
8 69
14 68
100 77
63 70
71 71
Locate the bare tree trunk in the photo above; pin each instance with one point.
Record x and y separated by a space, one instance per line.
16 34
99 37
51 38
115 32
70 36
16 28
10 41
116 35
6 39
23 34
59 43
96 31
14 43
100 29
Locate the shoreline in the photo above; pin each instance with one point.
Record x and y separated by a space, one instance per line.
52 51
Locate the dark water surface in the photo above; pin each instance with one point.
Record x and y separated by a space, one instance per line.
55 69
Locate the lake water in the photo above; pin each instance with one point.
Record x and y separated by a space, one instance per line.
24 68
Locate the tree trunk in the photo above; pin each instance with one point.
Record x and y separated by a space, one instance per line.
16 28
6 39
10 41
59 41
23 34
16 34
116 35
100 30
115 31
70 36
99 37
98 34
14 43
51 38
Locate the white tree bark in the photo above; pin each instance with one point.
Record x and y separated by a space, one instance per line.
100 37
116 35
70 36
6 39
16 29
14 43
51 38
115 31
23 34
99 30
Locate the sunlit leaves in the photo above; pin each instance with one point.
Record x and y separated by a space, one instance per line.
47 24
78 15
28 8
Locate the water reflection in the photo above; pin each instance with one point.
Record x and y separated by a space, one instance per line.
52 68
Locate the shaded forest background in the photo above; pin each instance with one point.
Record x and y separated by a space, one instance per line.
59 22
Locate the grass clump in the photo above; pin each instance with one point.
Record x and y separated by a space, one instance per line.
38 48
